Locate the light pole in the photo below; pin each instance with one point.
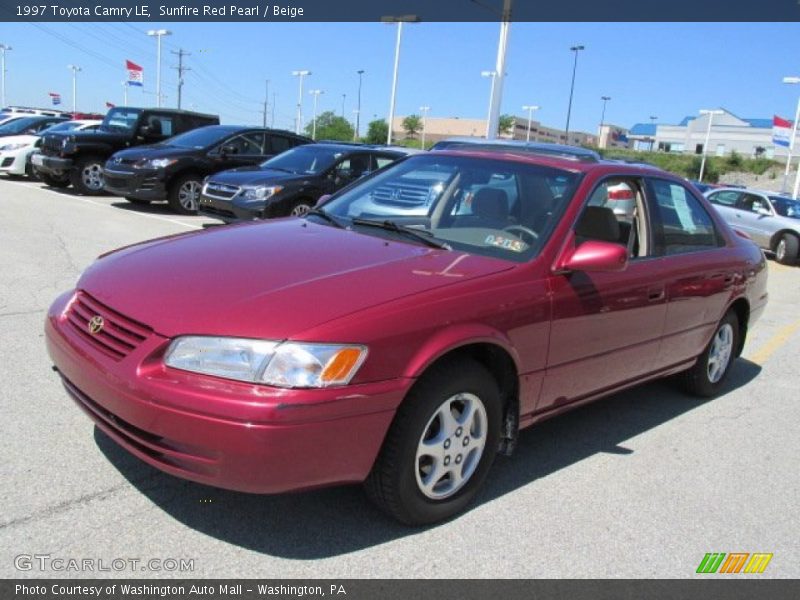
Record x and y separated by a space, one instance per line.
653 120
124 93
158 33
710 114
344 97
74 69
605 100
577 48
3 49
298 123
358 108
424 110
792 139
500 72
399 20
266 103
530 108
316 94
493 76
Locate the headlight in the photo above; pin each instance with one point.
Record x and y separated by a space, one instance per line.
288 364
13 146
260 192
155 163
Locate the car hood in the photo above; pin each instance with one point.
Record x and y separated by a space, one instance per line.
97 136
18 139
155 151
256 176
269 280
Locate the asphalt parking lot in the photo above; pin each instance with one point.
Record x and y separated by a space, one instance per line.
641 484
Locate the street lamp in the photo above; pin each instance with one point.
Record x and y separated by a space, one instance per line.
605 100
500 72
424 110
493 76
653 120
158 33
792 140
399 20
358 109
344 97
74 69
3 49
316 94
530 109
575 49
298 123
710 114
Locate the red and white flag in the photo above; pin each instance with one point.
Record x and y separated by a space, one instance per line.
135 73
55 97
781 131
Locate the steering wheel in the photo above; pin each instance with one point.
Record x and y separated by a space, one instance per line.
524 230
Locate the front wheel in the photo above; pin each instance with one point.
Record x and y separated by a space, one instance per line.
184 194
786 249
301 208
53 181
440 446
708 374
87 176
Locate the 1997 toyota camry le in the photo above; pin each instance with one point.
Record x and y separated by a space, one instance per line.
405 350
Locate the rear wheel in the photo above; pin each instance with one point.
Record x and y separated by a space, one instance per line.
53 181
440 446
708 374
87 176
786 249
184 194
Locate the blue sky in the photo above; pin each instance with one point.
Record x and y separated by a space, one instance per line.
665 69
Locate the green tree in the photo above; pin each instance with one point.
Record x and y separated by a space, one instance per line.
331 127
412 124
377 132
505 124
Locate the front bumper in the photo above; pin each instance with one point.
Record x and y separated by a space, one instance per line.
13 162
146 184
223 433
52 165
230 210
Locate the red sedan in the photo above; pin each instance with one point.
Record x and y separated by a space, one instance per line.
402 333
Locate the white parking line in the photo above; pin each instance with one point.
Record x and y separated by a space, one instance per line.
32 186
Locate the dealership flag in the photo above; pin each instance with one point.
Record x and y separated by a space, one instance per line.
135 73
55 97
781 131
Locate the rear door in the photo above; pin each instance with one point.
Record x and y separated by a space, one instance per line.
757 218
695 268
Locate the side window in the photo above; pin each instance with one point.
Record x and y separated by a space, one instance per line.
753 203
727 198
247 143
278 144
616 213
685 225
382 161
161 125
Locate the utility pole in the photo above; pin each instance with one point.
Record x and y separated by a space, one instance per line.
3 49
266 98
180 69
272 116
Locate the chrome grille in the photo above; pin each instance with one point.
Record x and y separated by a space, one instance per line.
119 335
402 194
221 191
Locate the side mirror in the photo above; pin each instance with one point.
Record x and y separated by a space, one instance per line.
596 257
323 199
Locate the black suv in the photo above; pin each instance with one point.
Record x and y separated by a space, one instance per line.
78 157
290 184
174 169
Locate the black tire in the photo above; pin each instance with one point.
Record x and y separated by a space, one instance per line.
184 194
53 181
786 249
397 476
133 200
702 380
30 172
87 175
300 208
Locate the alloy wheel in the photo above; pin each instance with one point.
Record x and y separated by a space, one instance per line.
92 176
720 353
780 251
189 194
300 210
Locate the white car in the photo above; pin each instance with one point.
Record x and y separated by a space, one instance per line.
15 151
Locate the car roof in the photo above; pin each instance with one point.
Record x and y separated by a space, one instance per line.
352 147
575 153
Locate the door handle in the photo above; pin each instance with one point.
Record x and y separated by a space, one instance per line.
655 294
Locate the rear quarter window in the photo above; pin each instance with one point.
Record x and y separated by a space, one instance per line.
683 223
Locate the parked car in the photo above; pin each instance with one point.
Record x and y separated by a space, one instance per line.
28 125
703 187
403 351
770 219
16 150
79 158
501 144
174 169
290 183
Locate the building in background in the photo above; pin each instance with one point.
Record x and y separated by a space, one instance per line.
614 136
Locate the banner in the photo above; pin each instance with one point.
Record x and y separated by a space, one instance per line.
135 73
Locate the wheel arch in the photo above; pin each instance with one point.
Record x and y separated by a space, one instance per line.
741 308
773 241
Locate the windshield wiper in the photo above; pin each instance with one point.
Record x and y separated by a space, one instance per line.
315 212
426 237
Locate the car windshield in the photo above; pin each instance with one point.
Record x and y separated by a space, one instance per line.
202 137
786 207
311 159
500 208
121 118
19 125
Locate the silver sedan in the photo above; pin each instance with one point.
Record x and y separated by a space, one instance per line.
771 219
